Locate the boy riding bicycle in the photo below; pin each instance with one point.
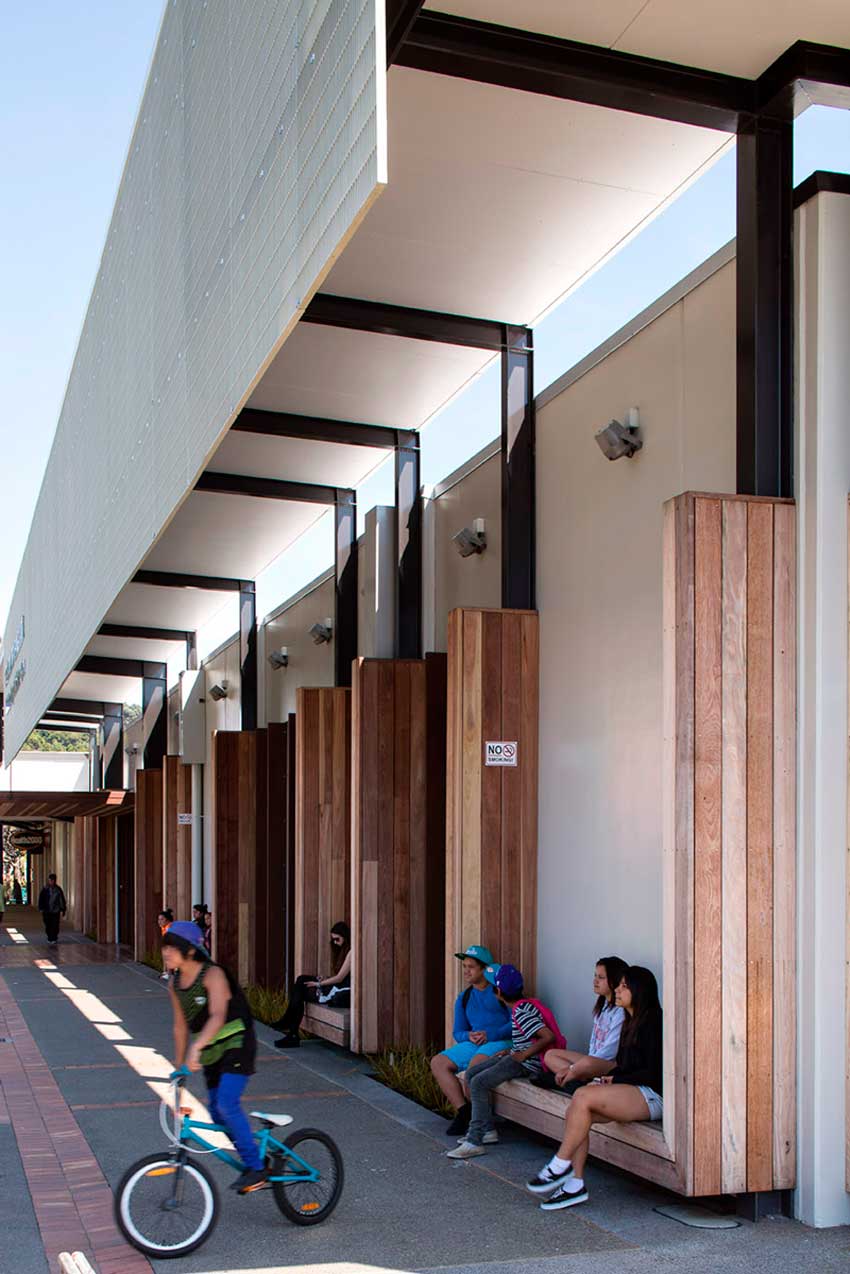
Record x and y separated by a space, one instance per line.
210 1007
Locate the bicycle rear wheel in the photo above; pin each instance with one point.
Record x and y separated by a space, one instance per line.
309 1202
166 1207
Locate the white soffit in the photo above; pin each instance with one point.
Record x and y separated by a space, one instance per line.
135 648
103 689
365 377
188 608
718 35
295 459
231 535
500 202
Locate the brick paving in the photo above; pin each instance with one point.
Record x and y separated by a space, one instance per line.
71 1198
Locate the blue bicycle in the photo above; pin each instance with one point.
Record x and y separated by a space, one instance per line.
167 1204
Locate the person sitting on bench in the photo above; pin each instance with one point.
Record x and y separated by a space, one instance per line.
568 1069
482 1027
334 990
630 1094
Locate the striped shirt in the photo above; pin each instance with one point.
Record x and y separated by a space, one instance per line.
526 1021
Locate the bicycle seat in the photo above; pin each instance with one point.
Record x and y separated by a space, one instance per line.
278 1121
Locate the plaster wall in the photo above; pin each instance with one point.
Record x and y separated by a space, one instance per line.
599 537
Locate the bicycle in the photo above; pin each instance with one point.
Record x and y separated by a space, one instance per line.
167 1204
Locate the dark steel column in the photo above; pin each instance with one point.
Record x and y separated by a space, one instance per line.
248 653
764 266
154 719
345 557
409 546
518 492
112 751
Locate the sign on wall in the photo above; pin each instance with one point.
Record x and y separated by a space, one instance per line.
500 753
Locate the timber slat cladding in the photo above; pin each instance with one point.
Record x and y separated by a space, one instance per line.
275 914
491 811
398 850
730 731
148 859
177 838
240 825
322 822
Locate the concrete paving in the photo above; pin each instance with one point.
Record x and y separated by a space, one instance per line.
100 1027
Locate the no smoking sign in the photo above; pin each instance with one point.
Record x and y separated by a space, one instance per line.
500 753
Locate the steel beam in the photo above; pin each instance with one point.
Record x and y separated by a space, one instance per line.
110 666
345 562
409 551
534 63
401 320
142 633
518 481
266 488
179 579
283 424
248 655
401 15
764 274
83 707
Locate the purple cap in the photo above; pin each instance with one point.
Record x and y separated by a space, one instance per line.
505 978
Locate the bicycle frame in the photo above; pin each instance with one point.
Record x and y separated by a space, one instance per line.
190 1131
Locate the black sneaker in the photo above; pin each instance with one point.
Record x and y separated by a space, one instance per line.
564 1198
288 1041
548 1181
248 1182
460 1124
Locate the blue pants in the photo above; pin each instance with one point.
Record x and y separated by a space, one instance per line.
225 1103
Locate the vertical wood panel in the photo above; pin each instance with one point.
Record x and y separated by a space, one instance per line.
784 849
239 822
148 861
759 846
177 838
734 924
491 880
401 855
708 955
322 822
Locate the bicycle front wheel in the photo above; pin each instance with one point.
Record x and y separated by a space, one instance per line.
309 1202
166 1207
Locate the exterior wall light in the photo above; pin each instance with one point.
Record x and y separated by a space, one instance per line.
616 440
322 632
471 540
218 691
279 658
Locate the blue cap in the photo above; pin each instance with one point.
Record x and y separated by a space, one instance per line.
188 932
505 978
482 954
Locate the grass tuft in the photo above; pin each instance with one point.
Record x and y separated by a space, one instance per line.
408 1071
266 1003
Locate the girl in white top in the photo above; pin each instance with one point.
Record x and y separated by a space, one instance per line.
569 1066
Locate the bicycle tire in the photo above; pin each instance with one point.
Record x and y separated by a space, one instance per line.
306 1211
130 1226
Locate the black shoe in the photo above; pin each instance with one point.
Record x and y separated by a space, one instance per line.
544 1080
564 1198
251 1180
460 1124
288 1041
547 1181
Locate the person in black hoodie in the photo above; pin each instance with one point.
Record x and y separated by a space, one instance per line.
630 1093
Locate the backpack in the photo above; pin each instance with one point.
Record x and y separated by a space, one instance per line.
548 1020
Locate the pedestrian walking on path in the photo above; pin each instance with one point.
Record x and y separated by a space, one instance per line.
52 905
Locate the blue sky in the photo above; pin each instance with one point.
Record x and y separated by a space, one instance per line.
71 79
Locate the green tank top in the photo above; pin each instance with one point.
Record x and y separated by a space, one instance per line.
234 1041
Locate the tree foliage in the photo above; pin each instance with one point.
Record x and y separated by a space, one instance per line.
46 740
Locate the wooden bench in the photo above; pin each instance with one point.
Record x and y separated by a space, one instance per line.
333 1025
638 1148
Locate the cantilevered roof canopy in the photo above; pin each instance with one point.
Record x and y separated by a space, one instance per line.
514 169
39 805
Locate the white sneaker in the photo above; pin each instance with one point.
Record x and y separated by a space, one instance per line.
490 1138
466 1150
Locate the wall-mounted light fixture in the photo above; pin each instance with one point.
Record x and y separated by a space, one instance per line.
323 631
616 440
132 750
279 658
218 691
471 539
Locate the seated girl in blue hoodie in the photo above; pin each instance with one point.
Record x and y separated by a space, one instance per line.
482 1026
